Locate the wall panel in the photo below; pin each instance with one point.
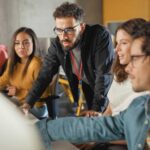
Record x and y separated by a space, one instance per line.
121 10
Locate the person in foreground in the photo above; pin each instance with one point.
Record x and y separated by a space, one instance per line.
86 54
132 125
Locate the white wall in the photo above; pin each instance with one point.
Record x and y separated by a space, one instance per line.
8 19
37 15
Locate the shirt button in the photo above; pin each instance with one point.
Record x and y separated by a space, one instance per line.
139 145
146 122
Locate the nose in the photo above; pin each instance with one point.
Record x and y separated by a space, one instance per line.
21 45
117 48
64 36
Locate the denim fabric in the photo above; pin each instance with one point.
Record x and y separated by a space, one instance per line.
131 125
42 125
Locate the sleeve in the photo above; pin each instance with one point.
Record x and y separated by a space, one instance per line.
48 70
103 57
36 67
81 129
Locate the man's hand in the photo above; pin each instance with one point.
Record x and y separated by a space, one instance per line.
90 113
25 108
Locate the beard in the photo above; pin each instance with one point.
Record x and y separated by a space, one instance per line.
68 48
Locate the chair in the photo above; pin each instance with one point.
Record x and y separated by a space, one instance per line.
62 80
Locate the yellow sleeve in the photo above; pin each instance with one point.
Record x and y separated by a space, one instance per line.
37 68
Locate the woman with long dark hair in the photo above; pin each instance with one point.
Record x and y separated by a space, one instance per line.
23 68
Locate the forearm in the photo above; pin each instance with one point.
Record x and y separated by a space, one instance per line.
77 130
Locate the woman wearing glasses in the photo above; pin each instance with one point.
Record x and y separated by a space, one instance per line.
23 68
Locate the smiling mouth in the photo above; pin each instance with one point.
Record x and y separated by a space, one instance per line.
121 57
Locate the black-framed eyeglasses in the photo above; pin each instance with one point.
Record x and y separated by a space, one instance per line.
69 30
135 58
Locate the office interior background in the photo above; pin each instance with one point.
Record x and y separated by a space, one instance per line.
37 14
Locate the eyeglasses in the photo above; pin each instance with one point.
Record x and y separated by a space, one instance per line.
135 58
25 43
69 30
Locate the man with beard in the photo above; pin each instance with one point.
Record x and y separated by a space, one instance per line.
85 53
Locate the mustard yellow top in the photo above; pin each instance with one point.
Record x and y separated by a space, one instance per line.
23 83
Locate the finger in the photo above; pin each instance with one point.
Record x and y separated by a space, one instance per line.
25 111
87 115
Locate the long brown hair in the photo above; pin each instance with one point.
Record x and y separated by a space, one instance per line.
131 27
14 59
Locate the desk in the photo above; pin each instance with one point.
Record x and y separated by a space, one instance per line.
64 83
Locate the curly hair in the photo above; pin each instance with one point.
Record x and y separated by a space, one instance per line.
69 10
131 27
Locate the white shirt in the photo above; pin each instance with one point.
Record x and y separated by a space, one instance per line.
121 95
